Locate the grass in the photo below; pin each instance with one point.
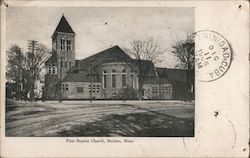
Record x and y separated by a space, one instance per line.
134 125
82 119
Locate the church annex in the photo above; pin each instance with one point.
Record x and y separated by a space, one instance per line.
110 74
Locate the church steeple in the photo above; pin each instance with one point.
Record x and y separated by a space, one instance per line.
63 43
64 26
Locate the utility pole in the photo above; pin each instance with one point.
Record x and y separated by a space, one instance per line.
32 44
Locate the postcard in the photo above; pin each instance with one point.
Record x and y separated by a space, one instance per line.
124 78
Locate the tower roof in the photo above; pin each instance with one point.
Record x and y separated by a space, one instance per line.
64 26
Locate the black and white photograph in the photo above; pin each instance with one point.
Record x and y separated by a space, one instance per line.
132 78
100 72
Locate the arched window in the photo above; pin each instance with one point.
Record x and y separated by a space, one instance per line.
113 79
68 44
63 44
132 80
104 79
124 84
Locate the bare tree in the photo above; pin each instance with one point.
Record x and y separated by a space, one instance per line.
184 51
15 68
146 54
35 59
146 50
25 68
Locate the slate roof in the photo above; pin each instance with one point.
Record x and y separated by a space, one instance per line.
64 26
80 77
52 59
156 80
147 68
173 75
113 54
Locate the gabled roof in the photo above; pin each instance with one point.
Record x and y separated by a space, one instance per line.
64 26
113 54
52 59
80 77
156 80
146 67
173 75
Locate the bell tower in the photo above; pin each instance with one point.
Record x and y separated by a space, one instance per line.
63 44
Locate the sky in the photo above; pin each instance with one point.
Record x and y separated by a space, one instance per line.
99 28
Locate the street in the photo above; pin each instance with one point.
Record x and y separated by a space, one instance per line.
100 119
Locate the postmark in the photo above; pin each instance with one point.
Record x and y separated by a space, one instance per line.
213 55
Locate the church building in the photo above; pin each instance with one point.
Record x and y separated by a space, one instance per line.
109 74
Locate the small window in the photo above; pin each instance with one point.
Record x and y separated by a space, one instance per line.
49 71
79 89
93 88
123 71
163 89
154 90
113 71
168 89
89 87
98 88
53 70
65 87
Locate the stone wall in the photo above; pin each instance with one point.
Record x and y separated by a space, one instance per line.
120 91
118 69
65 56
157 91
71 90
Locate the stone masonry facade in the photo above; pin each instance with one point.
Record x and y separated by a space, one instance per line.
110 74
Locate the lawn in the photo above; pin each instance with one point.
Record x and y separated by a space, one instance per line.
100 119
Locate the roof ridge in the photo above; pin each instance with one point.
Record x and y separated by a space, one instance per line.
168 68
116 46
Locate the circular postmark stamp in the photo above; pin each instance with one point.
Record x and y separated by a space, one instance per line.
213 55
